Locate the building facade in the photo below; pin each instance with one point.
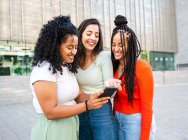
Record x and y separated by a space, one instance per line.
182 33
154 22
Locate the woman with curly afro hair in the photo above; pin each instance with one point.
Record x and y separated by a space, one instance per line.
53 83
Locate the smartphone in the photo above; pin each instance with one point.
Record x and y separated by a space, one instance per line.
108 92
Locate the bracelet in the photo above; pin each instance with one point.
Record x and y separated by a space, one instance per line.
86 105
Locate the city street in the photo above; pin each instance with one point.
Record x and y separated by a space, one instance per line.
170 107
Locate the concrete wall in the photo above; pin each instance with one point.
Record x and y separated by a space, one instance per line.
170 77
152 20
182 31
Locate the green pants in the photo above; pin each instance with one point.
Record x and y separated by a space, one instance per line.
60 129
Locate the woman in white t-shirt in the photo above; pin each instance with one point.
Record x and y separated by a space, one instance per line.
53 83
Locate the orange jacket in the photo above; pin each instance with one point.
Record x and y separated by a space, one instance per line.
143 97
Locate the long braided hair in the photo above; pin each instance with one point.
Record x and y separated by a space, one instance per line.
130 55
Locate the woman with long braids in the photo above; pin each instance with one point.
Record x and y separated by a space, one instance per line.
53 83
133 104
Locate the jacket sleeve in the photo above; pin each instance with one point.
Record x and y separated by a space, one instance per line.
146 85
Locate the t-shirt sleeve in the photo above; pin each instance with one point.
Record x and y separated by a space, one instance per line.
42 72
106 65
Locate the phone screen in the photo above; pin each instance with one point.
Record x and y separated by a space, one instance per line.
108 92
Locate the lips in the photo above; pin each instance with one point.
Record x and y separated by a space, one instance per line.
71 57
117 55
91 43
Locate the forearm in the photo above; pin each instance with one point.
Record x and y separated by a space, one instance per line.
48 102
65 111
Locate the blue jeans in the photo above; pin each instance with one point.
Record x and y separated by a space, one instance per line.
98 124
129 126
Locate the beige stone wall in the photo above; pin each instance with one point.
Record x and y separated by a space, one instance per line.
152 20
182 32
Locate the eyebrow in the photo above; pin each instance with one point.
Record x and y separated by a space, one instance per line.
91 31
68 46
117 43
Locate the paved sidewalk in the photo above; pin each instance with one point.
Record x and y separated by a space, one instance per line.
16 121
170 107
171 112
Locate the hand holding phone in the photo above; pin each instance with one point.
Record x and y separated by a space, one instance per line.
108 92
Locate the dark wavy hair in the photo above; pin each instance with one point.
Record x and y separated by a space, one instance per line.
130 56
81 54
52 34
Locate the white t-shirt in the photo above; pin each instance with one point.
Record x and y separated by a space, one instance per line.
67 86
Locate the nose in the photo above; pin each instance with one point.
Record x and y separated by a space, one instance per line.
116 48
92 37
74 51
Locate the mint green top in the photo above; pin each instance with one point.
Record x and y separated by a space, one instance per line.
92 79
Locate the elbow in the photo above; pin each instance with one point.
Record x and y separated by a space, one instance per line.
53 115
50 116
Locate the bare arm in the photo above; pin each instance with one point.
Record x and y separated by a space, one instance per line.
47 97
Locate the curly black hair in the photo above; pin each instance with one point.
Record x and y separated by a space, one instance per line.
130 56
52 34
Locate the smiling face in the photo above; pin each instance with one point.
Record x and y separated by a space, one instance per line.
90 37
68 49
119 48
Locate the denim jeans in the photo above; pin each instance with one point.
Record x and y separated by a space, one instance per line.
98 124
129 126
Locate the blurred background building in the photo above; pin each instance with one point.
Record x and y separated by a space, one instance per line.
181 59
161 27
